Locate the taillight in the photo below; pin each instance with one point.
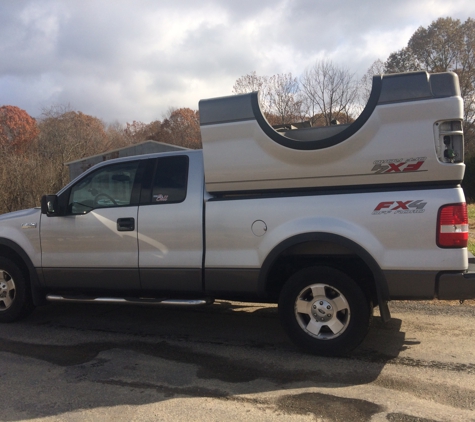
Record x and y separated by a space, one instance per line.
452 226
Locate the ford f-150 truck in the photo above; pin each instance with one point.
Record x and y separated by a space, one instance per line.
327 222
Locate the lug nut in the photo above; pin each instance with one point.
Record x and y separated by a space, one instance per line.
321 303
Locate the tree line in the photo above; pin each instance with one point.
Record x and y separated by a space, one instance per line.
33 151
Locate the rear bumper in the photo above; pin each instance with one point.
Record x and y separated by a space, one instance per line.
428 285
456 286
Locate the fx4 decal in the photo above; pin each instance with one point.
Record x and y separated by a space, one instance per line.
398 165
400 207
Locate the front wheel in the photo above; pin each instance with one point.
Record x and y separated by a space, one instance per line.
15 295
324 311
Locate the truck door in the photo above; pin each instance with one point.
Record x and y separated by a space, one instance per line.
170 219
94 246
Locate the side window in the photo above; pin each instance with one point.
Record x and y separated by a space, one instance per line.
170 180
107 187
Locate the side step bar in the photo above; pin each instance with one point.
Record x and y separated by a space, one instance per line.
131 301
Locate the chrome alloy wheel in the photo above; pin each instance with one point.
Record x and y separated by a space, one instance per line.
7 290
322 311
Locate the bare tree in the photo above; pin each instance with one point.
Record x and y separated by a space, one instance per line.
366 83
283 97
252 82
116 136
67 135
22 177
279 96
329 91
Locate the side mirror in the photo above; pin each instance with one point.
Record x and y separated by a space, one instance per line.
49 205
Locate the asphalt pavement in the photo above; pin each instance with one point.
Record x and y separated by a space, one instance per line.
232 361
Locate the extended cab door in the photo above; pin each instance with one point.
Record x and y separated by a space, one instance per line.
170 220
94 246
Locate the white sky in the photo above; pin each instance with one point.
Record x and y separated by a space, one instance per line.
132 60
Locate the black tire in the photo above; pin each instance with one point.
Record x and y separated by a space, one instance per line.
324 311
15 294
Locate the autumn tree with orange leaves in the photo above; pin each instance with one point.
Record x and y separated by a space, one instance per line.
18 131
17 128
33 156
137 132
182 128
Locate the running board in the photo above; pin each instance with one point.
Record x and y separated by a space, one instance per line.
131 301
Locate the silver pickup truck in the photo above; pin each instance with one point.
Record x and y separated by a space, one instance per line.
326 222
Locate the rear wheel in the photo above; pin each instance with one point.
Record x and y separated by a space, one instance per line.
15 295
324 311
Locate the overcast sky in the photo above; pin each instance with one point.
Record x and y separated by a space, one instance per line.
133 60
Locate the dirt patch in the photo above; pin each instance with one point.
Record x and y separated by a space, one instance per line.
401 417
328 407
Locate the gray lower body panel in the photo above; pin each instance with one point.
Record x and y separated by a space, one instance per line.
120 279
228 282
92 278
428 285
171 280
407 285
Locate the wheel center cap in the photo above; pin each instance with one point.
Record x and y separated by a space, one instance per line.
322 310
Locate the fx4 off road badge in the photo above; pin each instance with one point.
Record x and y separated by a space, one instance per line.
400 207
398 165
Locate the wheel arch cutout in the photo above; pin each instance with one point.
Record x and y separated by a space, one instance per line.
13 251
309 249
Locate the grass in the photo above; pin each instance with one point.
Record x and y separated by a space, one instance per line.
471 223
